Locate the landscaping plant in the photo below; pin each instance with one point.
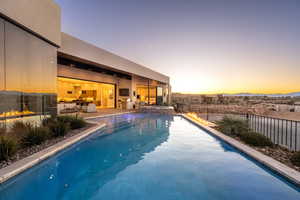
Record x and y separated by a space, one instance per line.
256 139
58 128
19 129
48 120
295 159
24 134
239 128
232 127
35 136
2 130
8 147
74 121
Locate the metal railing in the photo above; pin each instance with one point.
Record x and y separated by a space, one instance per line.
280 131
283 132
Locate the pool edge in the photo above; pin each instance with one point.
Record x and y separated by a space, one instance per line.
109 115
276 166
24 164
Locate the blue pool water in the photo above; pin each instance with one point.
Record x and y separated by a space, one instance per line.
149 157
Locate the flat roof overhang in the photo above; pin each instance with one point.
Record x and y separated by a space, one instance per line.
40 18
81 51
91 66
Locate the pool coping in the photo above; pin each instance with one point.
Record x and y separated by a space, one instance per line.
22 165
276 166
109 115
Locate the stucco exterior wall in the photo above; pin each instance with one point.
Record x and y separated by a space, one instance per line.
71 72
78 48
40 16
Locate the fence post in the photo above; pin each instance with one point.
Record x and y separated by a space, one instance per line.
281 132
267 127
264 126
286 132
271 129
254 123
251 121
250 125
291 135
296 142
271 136
274 131
277 131
259 125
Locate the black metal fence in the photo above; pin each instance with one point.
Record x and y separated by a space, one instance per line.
281 131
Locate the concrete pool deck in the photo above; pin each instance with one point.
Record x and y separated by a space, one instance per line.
30 161
102 112
100 115
276 166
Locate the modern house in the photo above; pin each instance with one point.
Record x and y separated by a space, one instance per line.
43 70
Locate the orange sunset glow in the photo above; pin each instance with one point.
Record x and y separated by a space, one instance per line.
204 46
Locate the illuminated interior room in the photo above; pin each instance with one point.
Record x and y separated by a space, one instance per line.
147 94
80 91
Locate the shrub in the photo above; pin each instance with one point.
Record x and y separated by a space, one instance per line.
232 127
20 125
256 139
8 147
295 159
59 128
78 123
35 136
74 121
2 130
19 129
48 120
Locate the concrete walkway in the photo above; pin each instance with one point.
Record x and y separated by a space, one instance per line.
101 112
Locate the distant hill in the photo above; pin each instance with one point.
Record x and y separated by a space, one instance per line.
296 94
293 94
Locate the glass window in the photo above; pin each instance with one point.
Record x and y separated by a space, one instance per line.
146 94
142 93
152 93
81 92
159 95
30 78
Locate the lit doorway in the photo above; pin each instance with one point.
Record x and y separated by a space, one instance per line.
146 94
84 92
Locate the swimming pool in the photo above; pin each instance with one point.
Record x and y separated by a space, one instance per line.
148 156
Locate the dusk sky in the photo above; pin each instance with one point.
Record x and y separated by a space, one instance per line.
205 46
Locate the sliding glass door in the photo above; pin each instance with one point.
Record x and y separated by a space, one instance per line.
84 92
146 94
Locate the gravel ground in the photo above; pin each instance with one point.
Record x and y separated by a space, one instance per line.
280 154
277 152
